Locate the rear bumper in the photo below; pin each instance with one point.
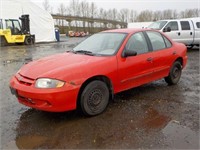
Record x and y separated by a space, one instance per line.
53 100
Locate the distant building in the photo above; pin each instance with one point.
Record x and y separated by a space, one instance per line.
139 24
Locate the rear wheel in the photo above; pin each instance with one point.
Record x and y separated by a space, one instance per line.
94 98
174 74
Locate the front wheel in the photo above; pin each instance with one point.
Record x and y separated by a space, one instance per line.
28 40
3 41
94 98
174 74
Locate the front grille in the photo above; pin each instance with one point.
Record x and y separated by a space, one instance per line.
24 80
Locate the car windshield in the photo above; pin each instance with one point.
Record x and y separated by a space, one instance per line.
158 25
101 44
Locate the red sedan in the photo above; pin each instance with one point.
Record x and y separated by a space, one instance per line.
102 65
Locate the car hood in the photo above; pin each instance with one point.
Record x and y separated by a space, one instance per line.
59 65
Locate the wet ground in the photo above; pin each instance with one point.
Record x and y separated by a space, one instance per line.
154 115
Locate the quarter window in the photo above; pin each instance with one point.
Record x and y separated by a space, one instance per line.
167 42
198 24
137 42
185 25
173 25
156 39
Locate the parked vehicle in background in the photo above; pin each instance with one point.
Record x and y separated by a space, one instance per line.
99 67
11 31
76 34
185 31
71 33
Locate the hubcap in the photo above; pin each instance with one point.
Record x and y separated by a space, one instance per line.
176 72
95 98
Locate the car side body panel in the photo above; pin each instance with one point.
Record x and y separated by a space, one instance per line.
75 69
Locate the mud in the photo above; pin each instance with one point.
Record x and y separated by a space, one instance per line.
154 116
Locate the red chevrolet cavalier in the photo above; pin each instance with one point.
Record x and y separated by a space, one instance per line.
102 65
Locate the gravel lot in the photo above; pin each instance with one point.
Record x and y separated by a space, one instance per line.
154 115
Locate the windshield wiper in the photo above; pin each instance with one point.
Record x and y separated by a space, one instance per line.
84 52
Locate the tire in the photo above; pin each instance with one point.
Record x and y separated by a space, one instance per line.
3 41
190 46
28 40
174 74
94 98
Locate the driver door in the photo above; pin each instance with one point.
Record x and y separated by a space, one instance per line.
175 30
135 70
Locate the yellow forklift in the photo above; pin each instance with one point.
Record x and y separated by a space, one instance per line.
12 32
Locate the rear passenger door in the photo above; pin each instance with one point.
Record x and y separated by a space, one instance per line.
163 54
186 33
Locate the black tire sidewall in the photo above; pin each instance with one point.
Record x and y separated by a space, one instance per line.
3 41
85 96
28 41
173 80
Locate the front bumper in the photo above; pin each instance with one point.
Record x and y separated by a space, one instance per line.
53 100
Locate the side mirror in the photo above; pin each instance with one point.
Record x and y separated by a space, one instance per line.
127 53
168 29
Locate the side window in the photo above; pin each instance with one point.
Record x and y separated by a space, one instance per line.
198 24
185 25
173 25
156 39
9 24
167 42
137 42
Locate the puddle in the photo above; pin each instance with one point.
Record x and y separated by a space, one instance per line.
30 142
180 137
154 120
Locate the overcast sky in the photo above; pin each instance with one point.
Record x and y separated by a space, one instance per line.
137 5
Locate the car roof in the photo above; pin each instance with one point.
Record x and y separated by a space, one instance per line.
126 30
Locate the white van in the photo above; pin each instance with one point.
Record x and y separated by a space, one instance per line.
185 31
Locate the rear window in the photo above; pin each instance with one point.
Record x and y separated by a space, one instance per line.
198 24
157 40
185 25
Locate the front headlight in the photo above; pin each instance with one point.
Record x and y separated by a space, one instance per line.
48 83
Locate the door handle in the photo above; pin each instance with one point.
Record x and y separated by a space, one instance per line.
190 33
149 59
179 33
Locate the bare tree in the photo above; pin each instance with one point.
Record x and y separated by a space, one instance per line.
144 16
114 14
84 10
167 14
174 14
133 16
188 13
93 10
101 13
62 12
74 6
124 15
196 12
